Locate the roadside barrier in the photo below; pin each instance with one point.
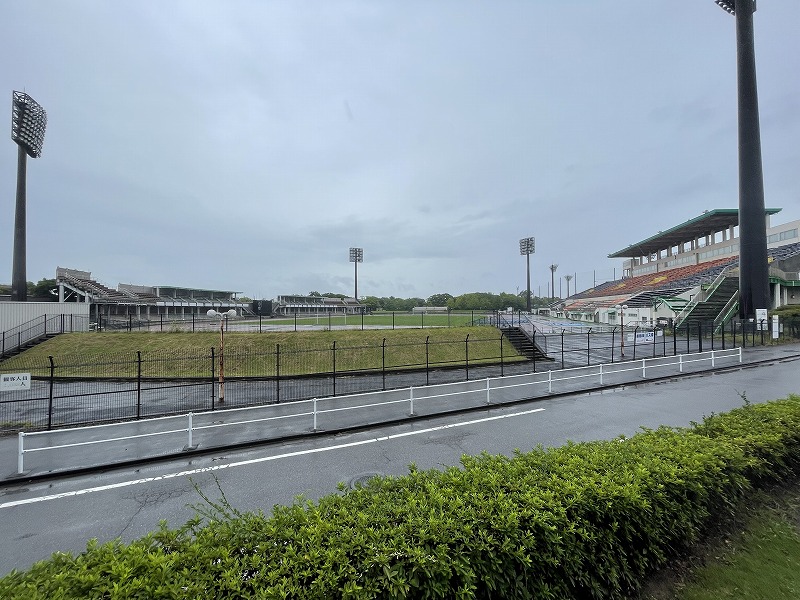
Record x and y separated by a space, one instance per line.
355 410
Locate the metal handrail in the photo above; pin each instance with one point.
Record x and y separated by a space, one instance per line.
730 307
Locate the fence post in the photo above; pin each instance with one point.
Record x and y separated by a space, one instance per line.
427 357
190 431
295 321
562 348
21 453
333 349
699 336
277 372
466 356
161 319
50 400
654 341
213 383
502 371
588 347
383 364
392 319
613 335
635 331
138 384
411 401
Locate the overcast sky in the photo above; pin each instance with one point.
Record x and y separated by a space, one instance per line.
246 145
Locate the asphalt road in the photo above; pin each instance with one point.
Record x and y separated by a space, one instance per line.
37 519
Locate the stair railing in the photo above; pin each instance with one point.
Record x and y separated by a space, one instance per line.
727 312
702 296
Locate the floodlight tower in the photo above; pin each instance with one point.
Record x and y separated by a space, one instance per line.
553 268
527 246
753 265
356 256
28 122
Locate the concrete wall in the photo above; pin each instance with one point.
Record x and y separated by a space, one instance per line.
17 313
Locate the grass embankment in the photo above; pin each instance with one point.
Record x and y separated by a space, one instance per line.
588 520
754 555
262 354
380 319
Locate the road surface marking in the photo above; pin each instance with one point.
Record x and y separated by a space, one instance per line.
252 461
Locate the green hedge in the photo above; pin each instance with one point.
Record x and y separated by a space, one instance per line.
586 520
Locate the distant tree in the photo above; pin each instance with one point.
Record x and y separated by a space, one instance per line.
372 303
44 290
5 290
317 294
438 300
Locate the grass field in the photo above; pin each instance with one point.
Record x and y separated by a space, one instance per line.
754 556
385 320
262 354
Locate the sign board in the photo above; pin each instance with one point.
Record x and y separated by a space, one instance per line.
642 337
15 381
775 327
761 319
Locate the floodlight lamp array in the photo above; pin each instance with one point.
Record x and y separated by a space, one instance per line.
356 255
527 246
28 123
729 6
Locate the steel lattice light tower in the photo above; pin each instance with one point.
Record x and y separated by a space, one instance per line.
753 264
356 256
527 246
28 122
553 268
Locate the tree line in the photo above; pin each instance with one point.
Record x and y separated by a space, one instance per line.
470 301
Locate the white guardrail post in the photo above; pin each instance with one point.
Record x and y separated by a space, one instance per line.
549 382
190 430
740 355
315 414
712 359
487 391
601 373
411 402
680 363
644 368
21 453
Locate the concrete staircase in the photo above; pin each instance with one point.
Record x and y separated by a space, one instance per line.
524 344
709 309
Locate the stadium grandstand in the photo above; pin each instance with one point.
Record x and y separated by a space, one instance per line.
291 305
689 272
143 302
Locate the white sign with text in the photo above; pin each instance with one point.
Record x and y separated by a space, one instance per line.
15 381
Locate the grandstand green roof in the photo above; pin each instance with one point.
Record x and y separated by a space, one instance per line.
709 222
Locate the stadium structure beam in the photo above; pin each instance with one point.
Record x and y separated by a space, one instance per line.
28 123
753 264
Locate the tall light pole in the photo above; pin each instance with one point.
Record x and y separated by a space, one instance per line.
553 268
221 316
356 256
28 123
753 265
568 278
527 246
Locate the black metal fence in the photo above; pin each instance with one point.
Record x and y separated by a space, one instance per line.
150 384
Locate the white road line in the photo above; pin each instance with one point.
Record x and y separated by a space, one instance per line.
253 461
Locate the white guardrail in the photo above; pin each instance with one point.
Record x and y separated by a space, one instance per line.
429 400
